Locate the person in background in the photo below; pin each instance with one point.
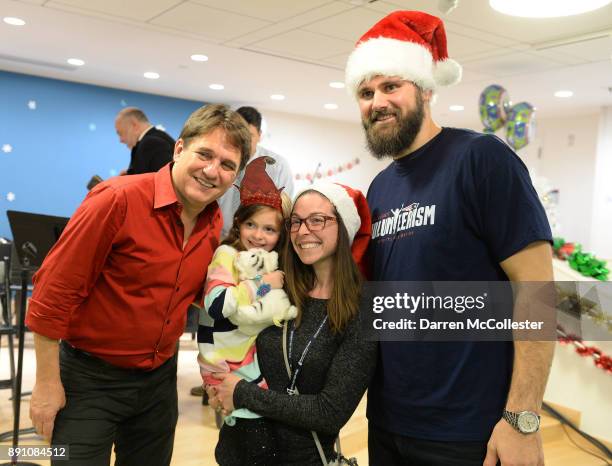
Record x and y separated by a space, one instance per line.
277 168
466 211
151 148
110 300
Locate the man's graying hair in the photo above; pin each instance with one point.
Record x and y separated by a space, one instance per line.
210 117
135 113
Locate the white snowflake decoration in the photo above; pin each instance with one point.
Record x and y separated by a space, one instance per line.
7 148
32 105
160 127
10 197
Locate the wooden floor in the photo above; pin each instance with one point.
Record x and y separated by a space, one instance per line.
196 434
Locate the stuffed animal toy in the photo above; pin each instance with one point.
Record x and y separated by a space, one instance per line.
271 308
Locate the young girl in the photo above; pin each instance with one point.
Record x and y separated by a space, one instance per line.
223 347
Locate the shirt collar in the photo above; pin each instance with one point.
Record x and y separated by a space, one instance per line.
164 189
143 133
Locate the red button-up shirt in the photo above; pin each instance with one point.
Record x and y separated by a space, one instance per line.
118 282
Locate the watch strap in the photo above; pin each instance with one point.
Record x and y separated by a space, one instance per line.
512 418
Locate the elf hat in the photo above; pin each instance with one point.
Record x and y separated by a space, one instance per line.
408 44
257 187
353 208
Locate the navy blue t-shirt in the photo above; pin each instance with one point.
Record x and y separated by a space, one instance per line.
450 211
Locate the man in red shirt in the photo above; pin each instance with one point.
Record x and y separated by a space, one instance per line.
115 290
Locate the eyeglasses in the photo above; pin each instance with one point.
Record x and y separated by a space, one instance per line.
313 222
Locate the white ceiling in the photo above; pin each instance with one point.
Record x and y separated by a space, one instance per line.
296 47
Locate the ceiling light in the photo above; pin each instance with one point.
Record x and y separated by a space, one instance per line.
546 8
330 106
13 21
151 75
277 97
198 57
336 84
217 87
564 94
456 108
75 61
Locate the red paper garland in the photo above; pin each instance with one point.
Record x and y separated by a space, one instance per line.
601 360
325 173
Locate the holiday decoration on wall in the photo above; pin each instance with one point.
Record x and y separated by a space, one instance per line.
600 359
7 149
585 263
320 172
581 306
584 305
87 114
496 112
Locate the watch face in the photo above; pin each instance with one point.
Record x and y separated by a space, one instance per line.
528 422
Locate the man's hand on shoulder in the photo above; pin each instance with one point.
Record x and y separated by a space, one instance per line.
512 448
47 399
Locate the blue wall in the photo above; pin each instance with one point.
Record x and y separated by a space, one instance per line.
61 134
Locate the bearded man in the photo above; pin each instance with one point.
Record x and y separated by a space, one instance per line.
470 214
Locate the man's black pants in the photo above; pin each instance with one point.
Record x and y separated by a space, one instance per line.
387 449
105 405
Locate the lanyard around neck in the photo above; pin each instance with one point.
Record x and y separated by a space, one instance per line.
291 388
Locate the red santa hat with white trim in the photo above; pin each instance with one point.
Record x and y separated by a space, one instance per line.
353 208
408 44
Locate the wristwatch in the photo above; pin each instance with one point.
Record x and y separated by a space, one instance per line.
525 422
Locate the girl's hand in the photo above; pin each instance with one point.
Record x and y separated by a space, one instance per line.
225 390
214 402
275 279
210 391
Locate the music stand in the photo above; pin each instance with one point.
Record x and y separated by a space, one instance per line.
33 236
6 322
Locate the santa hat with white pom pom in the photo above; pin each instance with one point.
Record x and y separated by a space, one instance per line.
408 44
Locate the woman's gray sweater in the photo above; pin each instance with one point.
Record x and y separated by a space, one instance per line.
332 381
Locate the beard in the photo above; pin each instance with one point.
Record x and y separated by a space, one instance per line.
388 139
